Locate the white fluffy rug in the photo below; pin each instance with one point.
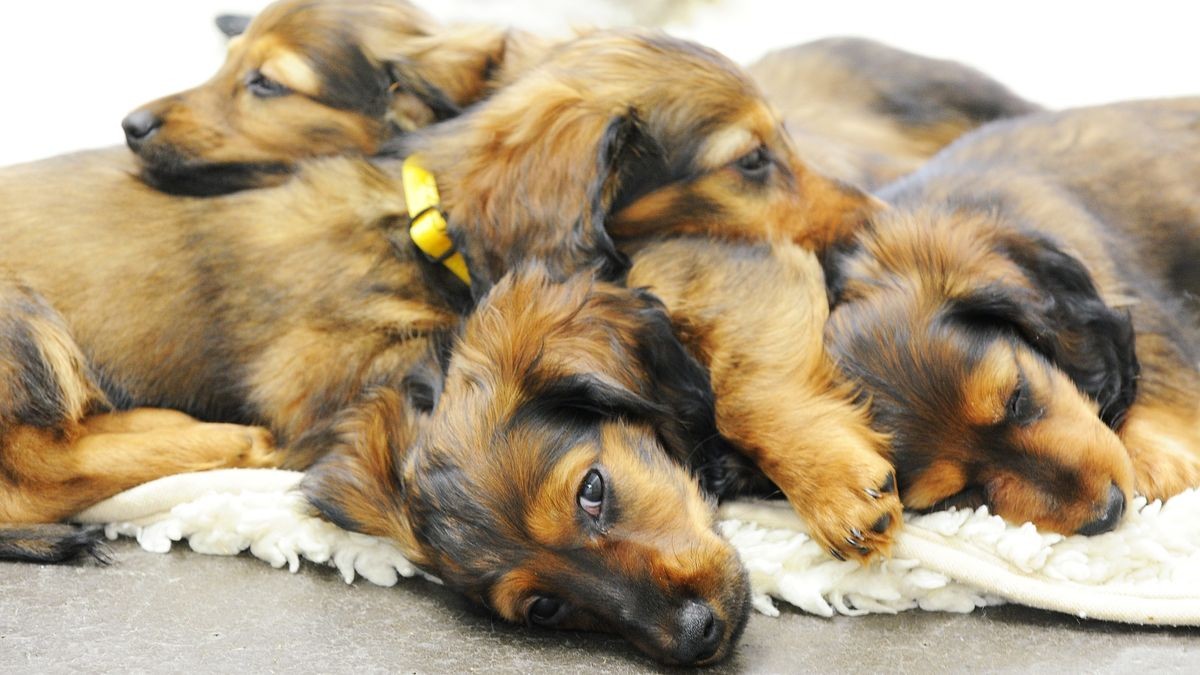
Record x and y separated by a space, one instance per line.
1147 571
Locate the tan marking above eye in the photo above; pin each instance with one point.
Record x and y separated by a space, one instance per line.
990 384
292 71
727 145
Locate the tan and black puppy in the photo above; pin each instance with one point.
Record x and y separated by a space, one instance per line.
1023 318
868 113
312 78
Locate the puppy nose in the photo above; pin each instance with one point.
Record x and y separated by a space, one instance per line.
1112 514
140 125
700 633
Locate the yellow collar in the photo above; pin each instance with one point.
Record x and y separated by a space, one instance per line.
427 223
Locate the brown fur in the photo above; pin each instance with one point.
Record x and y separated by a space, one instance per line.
868 113
304 308
755 317
355 73
1034 251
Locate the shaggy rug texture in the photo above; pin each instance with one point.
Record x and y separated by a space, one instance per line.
1147 571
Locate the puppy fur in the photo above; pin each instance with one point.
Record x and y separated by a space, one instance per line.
868 113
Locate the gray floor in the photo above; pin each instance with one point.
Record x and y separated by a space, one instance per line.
150 612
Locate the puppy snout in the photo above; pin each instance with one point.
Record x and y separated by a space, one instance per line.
139 126
1113 510
700 633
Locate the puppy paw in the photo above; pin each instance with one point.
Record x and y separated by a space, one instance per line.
1162 474
856 513
259 451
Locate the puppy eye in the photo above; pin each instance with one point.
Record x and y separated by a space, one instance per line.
591 493
756 163
545 611
1021 409
264 87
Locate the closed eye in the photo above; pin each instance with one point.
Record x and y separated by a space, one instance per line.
264 87
1022 409
755 164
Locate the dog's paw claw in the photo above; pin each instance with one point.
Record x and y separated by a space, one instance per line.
855 522
882 524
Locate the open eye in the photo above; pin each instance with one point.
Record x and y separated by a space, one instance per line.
545 611
264 87
755 163
591 494
1021 409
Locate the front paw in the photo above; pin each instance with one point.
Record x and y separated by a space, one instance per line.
260 450
1162 474
856 514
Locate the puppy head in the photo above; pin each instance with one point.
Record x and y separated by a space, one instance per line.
991 359
541 484
308 79
679 138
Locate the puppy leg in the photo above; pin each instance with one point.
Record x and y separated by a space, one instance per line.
755 316
61 449
1164 444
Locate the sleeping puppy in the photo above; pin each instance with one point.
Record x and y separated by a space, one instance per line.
307 79
1023 319
868 113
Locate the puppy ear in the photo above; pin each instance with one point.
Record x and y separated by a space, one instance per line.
1063 317
435 75
406 79
591 393
676 381
357 483
621 153
233 25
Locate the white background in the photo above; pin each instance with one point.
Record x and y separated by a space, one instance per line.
72 69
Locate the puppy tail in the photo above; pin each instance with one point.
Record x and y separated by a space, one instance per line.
52 543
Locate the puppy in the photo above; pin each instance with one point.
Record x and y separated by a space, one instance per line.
1023 321
868 113
307 79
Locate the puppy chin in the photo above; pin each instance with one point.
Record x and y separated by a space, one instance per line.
173 174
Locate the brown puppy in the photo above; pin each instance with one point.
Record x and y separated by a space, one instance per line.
993 316
304 308
308 79
551 481
868 113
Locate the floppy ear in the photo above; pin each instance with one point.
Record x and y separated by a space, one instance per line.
623 153
444 70
357 484
406 78
1064 318
593 394
233 25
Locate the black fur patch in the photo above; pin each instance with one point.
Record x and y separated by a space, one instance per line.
1089 341
187 179
349 80
52 543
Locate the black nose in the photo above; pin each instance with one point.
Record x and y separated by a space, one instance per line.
1113 510
700 633
139 126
